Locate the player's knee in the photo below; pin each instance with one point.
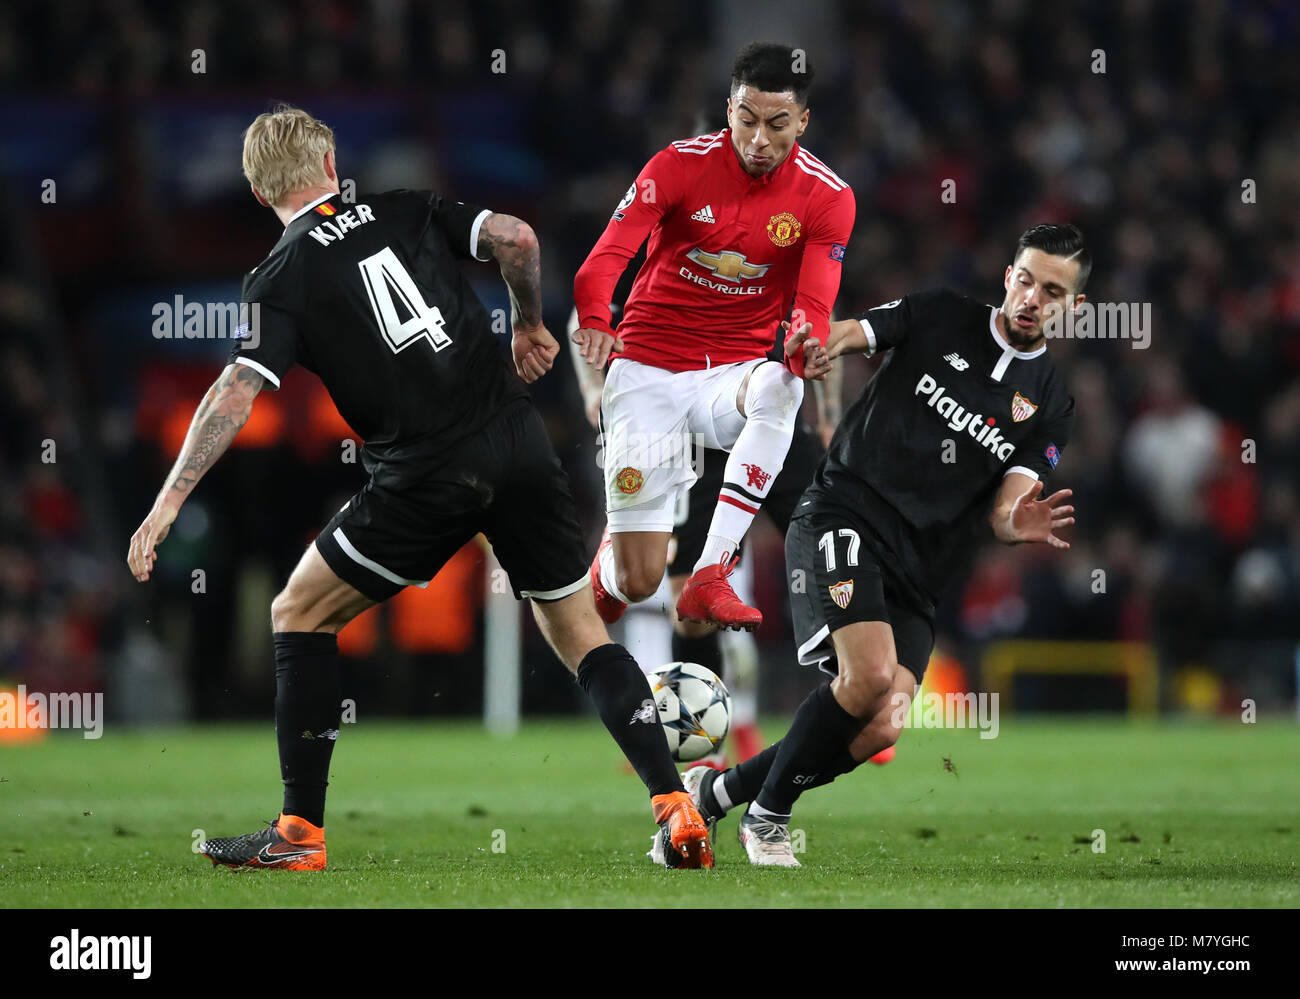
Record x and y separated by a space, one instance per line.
285 611
290 612
869 680
638 582
774 394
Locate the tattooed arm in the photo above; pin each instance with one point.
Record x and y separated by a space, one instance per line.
513 244
221 414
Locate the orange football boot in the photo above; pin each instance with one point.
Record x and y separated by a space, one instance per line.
684 830
287 844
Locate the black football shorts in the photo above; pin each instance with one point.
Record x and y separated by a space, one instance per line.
836 579
504 481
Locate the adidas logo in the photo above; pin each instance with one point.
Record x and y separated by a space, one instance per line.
705 214
957 361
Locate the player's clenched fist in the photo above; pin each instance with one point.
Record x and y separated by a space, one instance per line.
534 350
805 354
597 345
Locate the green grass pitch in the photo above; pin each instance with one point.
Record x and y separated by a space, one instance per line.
438 814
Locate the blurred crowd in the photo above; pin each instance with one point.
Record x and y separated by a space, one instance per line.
1168 131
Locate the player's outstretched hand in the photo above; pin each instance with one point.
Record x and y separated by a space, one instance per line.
148 536
534 350
1035 520
597 345
805 355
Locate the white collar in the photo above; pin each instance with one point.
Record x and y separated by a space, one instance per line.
1024 355
306 208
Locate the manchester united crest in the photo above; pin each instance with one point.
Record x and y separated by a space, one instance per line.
1022 408
783 229
629 480
842 593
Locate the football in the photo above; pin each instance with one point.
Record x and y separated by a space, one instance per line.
694 708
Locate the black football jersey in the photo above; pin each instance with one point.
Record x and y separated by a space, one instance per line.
923 450
370 297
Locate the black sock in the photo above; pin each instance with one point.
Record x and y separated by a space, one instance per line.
817 742
308 707
619 690
705 650
742 782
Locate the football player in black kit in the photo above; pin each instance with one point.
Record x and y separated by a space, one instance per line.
956 434
370 297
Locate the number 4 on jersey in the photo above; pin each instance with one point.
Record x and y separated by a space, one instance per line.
383 275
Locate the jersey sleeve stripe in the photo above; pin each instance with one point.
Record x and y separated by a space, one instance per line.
1022 470
812 160
698 151
871 336
473 236
371 564
699 140
261 369
814 172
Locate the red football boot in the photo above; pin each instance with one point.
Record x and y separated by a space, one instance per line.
708 597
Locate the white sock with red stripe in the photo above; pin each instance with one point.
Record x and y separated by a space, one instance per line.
772 403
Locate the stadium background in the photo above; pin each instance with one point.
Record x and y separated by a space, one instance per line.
1201 549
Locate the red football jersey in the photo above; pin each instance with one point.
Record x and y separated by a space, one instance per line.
730 255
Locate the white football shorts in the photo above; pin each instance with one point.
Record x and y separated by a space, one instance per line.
654 424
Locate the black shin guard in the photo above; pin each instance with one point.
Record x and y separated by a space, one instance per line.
308 707
816 744
619 690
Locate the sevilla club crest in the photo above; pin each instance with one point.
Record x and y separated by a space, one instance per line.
842 593
1022 408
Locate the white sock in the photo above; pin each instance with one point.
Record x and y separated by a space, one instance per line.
740 657
758 810
607 575
717 551
721 796
772 404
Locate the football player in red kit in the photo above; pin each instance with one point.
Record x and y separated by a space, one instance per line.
745 228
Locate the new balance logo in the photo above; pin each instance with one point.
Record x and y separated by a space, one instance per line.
705 214
645 714
957 361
